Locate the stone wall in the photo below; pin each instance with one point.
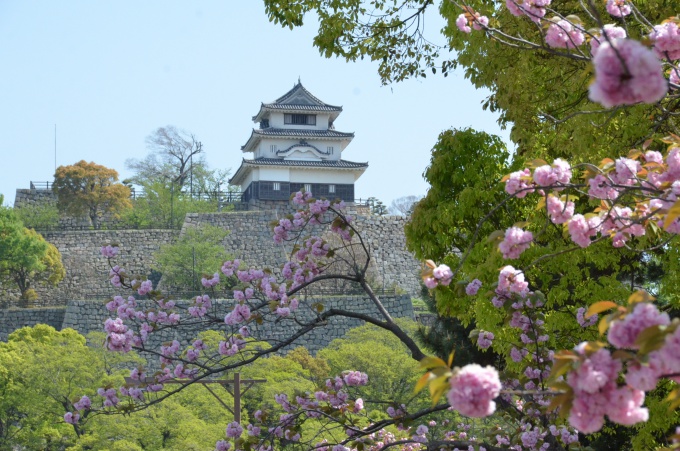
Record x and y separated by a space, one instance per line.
89 316
392 266
39 197
251 241
13 319
87 271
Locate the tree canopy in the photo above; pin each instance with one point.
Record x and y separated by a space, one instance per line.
89 189
25 257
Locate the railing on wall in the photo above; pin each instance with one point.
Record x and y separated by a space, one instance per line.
42 185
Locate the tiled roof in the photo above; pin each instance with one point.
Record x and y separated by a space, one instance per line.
302 132
326 164
291 133
308 163
278 106
298 99
299 96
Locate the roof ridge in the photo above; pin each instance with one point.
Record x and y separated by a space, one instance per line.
297 87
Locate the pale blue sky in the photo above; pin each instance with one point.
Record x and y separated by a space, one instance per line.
109 72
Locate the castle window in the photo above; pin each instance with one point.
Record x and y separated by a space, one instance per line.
308 187
331 188
299 119
273 148
277 186
329 149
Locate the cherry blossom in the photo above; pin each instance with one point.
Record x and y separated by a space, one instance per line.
564 34
473 389
641 80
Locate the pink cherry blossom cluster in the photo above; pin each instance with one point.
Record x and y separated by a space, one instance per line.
440 275
109 395
560 210
477 21
213 281
597 394
623 333
473 287
109 251
644 374
473 389
618 8
608 32
116 276
582 320
145 287
200 307
119 337
83 403
485 339
230 267
71 417
515 242
533 9
658 180
626 73
564 34
666 39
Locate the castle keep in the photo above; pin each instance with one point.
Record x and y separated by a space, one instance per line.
296 147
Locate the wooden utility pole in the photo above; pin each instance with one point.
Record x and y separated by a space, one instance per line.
240 387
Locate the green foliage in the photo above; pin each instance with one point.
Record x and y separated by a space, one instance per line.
25 257
46 371
376 206
392 373
164 205
318 368
89 189
199 251
38 216
385 32
284 375
42 372
464 174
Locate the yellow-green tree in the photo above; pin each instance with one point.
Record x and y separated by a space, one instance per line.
25 257
90 189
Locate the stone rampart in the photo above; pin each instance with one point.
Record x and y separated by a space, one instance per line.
13 319
392 266
251 241
89 316
87 271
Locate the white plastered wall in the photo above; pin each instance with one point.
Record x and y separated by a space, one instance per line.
321 176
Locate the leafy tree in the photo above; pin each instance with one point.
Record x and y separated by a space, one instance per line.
376 206
38 216
90 189
44 371
196 253
25 257
163 205
381 355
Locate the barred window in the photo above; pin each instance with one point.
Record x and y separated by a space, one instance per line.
277 186
308 187
331 188
299 119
